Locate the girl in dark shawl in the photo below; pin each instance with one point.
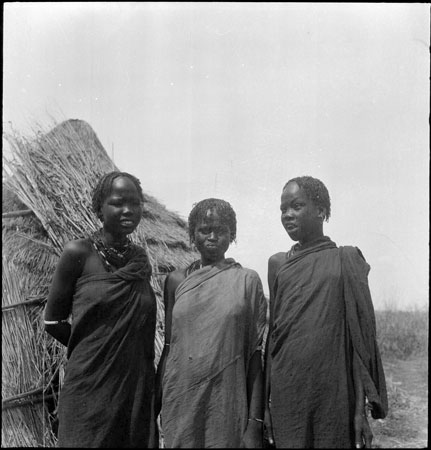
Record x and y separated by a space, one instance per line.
323 367
102 282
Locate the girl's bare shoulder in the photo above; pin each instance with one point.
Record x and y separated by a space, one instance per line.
174 278
277 259
78 248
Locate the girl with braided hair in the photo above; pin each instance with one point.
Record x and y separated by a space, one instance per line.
323 367
209 380
102 282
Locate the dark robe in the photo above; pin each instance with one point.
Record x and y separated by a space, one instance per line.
322 317
107 396
218 323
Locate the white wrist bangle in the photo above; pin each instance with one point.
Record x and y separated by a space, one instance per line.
54 322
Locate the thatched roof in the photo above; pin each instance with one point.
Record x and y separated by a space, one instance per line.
49 179
54 176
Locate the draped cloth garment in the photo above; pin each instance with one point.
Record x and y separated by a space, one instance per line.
323 317
107 396
218 323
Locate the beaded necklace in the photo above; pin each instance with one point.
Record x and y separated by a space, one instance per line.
112 257
292 251
195 265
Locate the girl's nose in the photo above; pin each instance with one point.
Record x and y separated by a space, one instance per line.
127 209
287 217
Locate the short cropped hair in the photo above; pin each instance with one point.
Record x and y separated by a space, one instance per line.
104 186
316 191
224 210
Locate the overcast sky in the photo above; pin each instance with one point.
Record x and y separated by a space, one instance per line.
231 100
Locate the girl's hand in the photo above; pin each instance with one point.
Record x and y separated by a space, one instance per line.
363 433
253 435
268 433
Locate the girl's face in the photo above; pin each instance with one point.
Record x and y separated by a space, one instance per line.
300 217
122 209
212 238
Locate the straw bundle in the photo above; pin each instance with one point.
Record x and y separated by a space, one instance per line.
49 179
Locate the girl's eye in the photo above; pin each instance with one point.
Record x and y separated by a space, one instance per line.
120 203
216 230
221 230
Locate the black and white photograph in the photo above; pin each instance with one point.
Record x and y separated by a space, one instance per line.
215 224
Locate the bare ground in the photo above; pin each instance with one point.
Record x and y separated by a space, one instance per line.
406 425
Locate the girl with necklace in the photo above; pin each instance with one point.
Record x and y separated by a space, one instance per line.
103 283
324 373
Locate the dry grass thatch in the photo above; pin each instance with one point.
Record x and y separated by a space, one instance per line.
27 367
50 176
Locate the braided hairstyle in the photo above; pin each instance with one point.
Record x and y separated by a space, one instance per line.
316 191
224 210
103 189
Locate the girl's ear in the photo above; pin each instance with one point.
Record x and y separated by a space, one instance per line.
322 213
